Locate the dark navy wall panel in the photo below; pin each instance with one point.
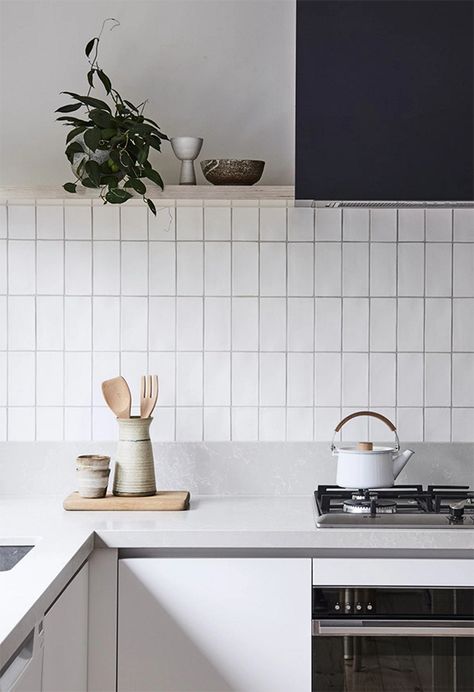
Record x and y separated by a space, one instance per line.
384 100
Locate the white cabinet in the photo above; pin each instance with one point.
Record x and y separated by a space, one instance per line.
65 638
214 625
23 671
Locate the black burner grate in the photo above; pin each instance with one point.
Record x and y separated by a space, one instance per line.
444 495
410 499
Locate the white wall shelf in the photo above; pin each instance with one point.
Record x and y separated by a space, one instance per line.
285 192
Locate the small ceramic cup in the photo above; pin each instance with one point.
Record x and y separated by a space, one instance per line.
92 461
92 482
92 475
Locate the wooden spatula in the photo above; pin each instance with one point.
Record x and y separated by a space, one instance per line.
117 396
148 395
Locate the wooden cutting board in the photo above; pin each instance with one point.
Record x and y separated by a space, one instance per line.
163 501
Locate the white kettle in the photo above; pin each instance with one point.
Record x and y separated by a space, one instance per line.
365 465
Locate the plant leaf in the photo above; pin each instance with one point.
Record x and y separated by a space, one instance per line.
137 185
130 105
143 154
93 171
101 118
69 108
70 187
154 176
124 159
89 101
90 78
92 138
108 132
90 46
151 206
143 128
87 182
110 180
74 132
152 122
72 149
105 81
155 142
116 139
115 156
74 121
117 195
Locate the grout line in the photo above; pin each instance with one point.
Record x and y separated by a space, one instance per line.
218 350
244 240
259 355
279 406
175 321
222 295
92 316
287 284
148 281
120 296
203 360
231 350
63 311
7 310
35 326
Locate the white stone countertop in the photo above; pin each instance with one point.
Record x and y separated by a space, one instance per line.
241 525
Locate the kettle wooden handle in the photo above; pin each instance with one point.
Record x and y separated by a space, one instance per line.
387 422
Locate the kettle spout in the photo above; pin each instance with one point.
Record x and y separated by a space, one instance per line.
400 461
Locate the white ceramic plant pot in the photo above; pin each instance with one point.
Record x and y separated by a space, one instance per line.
366 465
100 156
134 467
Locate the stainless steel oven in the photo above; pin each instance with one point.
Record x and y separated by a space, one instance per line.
410 639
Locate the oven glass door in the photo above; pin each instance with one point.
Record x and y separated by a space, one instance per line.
393 663
384 649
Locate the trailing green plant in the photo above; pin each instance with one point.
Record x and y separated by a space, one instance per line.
119 135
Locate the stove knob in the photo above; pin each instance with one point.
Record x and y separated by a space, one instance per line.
348 606
456 511
369 606
358 606
337 607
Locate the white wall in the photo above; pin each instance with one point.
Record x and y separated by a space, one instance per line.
220 69
264 322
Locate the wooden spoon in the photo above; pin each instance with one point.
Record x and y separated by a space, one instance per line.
117 396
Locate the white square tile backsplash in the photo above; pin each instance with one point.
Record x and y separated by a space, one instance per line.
263 322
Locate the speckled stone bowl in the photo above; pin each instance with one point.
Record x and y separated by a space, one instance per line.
232 171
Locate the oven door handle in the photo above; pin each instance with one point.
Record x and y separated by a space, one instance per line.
393 628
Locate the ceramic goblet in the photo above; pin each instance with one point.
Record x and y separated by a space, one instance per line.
186 149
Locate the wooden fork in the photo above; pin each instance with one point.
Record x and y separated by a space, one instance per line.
148 395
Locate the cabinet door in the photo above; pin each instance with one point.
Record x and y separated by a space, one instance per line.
214 625
65 638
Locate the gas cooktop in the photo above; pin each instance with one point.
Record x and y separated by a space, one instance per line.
403 506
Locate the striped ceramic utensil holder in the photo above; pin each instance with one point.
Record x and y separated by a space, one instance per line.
134 468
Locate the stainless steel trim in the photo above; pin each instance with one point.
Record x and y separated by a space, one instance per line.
393 204
393 628
346 520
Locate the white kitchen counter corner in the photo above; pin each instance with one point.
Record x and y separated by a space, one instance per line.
227 525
